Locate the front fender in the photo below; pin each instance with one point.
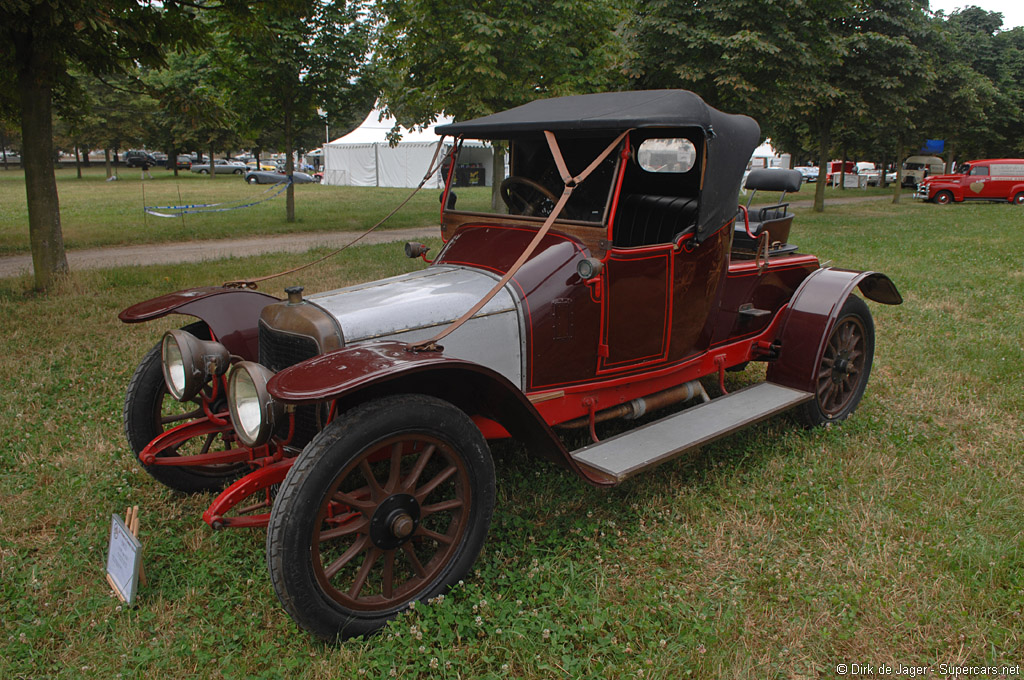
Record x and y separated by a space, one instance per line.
811 315
231 313
356 374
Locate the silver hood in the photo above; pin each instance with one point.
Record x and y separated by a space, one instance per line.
415 306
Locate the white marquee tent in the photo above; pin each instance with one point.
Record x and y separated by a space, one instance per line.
364 158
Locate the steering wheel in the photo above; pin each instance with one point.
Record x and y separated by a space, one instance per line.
524 196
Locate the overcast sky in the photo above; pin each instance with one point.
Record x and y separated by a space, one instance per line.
1012 10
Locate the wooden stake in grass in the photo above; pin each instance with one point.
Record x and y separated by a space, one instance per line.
182 211
131 518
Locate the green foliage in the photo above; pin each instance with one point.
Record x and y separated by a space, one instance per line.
469 58
851 78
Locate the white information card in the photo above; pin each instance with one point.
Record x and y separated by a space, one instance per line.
124 560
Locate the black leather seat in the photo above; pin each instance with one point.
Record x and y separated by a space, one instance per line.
643 219
775 219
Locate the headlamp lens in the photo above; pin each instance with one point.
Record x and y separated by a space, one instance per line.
174 367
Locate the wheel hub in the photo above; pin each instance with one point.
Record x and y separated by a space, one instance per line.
394 521
841 369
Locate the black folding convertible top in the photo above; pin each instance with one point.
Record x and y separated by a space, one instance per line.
731 139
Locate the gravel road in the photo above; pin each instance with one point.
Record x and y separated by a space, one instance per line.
197 251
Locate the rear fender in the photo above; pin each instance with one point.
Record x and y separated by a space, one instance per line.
368 371
812 314
231 313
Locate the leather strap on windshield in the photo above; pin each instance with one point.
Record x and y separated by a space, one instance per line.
252 283
571 183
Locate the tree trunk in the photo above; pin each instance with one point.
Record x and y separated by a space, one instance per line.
898 188
842 173
951 157
213 171
78 162
289 168
819 186
106 163
35 83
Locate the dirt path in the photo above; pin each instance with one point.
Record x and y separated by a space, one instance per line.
197 251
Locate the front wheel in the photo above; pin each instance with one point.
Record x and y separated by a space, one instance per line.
389 504
254 180
844 366
1019 198
149 410
943 198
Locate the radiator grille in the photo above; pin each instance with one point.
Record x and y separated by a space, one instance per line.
279 351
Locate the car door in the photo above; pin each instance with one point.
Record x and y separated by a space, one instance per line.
637 306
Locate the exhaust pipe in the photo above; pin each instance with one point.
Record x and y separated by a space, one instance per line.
631 410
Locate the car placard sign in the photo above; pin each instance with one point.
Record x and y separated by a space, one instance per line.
124 560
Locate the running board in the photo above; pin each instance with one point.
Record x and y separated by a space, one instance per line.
626 454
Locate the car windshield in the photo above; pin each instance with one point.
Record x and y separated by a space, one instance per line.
533 185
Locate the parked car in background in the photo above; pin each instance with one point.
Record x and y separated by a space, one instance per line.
997 180
262 165
11 158
872 175
135 158
916 168
183 162
267 177
220 166
809 172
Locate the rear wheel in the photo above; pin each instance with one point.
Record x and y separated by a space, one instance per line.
844 367
389 504
943 198
1019 198
254 180
149 410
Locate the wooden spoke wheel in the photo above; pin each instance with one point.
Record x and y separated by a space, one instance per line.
844 366
149 410
389 504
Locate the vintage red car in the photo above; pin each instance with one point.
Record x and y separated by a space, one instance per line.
998 179
618 279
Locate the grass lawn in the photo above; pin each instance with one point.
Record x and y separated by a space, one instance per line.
776 553
95 212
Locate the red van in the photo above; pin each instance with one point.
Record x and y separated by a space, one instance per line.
999 179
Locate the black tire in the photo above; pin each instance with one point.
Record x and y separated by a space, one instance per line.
413 551
204 172
1018 199
844 368
147 408
943 198
239 172
253 180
